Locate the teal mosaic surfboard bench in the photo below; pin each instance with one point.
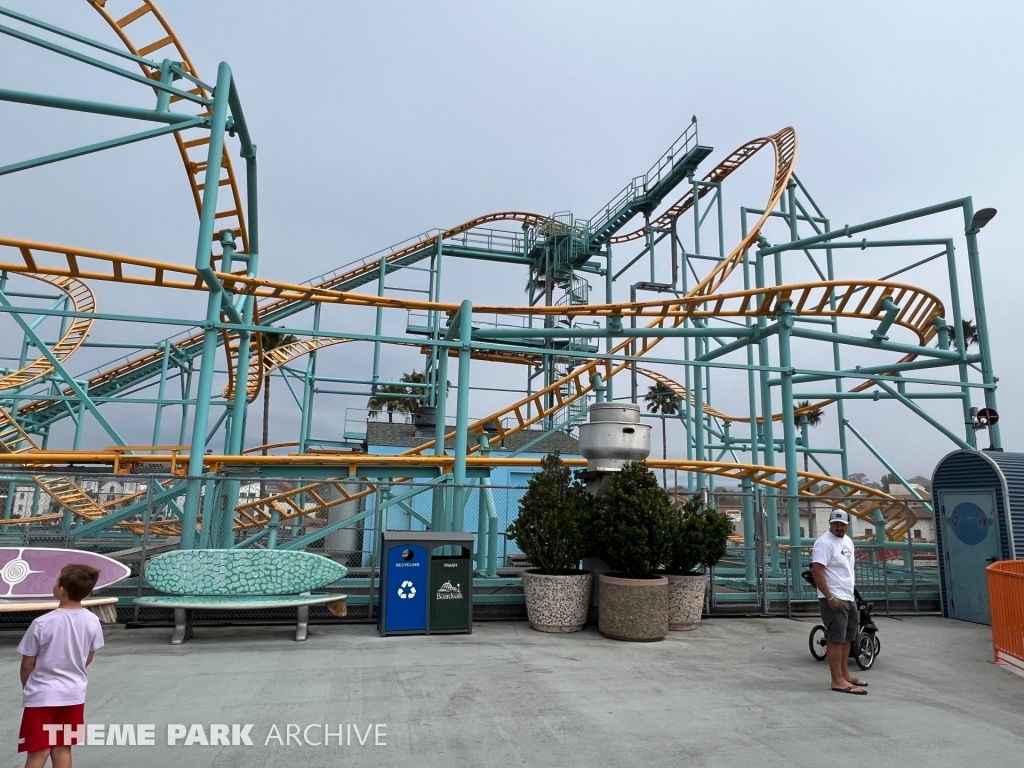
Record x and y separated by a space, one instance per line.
241 579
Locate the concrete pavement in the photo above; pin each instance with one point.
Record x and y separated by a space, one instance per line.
735 692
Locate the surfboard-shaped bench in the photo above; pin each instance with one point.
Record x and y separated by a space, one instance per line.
241 580
29 573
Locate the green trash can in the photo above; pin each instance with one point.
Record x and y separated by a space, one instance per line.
451 593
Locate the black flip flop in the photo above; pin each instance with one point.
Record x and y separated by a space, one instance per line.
850 690
857 684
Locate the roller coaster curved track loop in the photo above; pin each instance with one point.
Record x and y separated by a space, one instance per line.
83 301
274 359
191 144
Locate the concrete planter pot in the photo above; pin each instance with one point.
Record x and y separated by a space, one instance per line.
635 610
685 601
557 603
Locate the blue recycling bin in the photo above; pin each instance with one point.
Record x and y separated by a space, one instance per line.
404 598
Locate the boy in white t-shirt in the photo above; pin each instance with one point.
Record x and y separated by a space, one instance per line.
832 566
56 649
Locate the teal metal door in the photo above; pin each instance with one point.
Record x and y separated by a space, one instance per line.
970 537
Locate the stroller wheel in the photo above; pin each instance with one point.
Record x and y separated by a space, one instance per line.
818 643
864 651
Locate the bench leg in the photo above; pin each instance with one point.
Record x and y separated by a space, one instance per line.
302 626
182 626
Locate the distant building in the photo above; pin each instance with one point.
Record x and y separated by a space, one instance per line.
507 483
30 500
924 528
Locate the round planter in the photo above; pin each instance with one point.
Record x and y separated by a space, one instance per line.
557 603
633 609
685 601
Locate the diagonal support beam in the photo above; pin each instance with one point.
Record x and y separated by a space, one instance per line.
134 138
95 526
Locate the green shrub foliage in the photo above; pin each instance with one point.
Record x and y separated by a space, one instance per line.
554 517
700 538
634 524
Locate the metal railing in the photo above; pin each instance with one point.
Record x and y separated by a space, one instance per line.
760 573
639 186
1006 601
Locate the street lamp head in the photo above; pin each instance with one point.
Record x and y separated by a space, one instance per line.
983 217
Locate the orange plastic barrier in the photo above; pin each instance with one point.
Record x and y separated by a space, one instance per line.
1006 598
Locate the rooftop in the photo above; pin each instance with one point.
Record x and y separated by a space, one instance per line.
385 434
734 692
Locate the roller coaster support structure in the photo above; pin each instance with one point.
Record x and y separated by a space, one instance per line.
684 293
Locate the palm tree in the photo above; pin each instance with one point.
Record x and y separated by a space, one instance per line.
389 398
661 399
395 397
969 333
813 417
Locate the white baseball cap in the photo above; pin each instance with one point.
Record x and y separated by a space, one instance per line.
839 516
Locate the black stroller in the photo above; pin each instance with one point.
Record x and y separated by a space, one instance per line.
865 649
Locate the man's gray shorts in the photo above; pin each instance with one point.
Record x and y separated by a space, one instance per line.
841 624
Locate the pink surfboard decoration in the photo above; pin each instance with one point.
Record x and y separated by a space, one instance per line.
32 571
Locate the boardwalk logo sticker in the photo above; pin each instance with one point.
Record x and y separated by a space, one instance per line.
448 592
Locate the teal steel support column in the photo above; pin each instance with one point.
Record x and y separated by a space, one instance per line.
209 513
698 408
609 342
465 318
980 318
958 330
786 315
837 365
240 402
483 514
161 390
12 491
437 513
768 439
207 222
434 322
308 390
749 541
379 324
273 526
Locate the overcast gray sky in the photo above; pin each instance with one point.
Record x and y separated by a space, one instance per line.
377 121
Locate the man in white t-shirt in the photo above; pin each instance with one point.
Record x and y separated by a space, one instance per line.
832 568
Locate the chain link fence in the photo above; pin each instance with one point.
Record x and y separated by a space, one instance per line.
133 518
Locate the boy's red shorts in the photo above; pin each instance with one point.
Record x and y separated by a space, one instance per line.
34 738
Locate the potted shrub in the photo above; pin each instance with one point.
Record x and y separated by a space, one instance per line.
633 533
551 530
699 542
